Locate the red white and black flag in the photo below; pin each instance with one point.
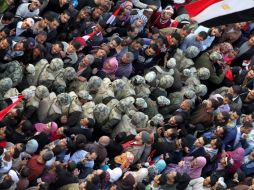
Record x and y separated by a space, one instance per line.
12 102
219 12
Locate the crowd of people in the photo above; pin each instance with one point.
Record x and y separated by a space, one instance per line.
124 95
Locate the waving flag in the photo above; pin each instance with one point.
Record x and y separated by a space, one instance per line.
219 12
12 101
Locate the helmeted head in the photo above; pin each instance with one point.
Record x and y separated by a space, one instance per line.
41 92
56 64
64 99
166 81
192 52
203 73
69 73
5 84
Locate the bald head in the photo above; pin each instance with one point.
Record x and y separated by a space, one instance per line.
104 140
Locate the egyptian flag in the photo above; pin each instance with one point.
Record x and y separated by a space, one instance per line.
219 12
12 102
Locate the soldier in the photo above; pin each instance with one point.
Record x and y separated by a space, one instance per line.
71 113
5 85
13 70
62 78
43 76
32 104
105 92
50 108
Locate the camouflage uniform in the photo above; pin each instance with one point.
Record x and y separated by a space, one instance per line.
72 111
32 103
5 85
50 108
105 92
43 75
13 70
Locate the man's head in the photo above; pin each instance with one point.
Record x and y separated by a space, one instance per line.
246 128
215 31
104 140
27 23
127 58
201 36
5 43
200 142
35 4
65 16
57 47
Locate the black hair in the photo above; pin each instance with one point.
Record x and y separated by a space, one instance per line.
25 171
6 184
57 150
6 31
154 47
42 33
226 116
214 179
140 186
77 45
26 126
206 140
179 118
67 12
16 153
219 143
229 96
51 16
203 34
9 40
140 41
163 179
247 125
117 40
120 137
215 104
8 16
176 36
237 88
80 141
60 44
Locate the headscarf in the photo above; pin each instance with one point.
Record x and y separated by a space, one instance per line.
112 63
237 156
50 127
195 172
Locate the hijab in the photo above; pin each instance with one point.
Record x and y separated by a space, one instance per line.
195 171
50 127
110 65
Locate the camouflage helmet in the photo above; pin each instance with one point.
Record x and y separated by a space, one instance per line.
187 73
69 73
141 103
166 81
203 73
42 62
215 56
5 84
64 99
84 95
163 101
101 112
188 93
29 92
56 64
171 63
30 69
138 118
156 120
94 82
118 84
126 103
42 92
192 52
150 76
201 90
137 79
